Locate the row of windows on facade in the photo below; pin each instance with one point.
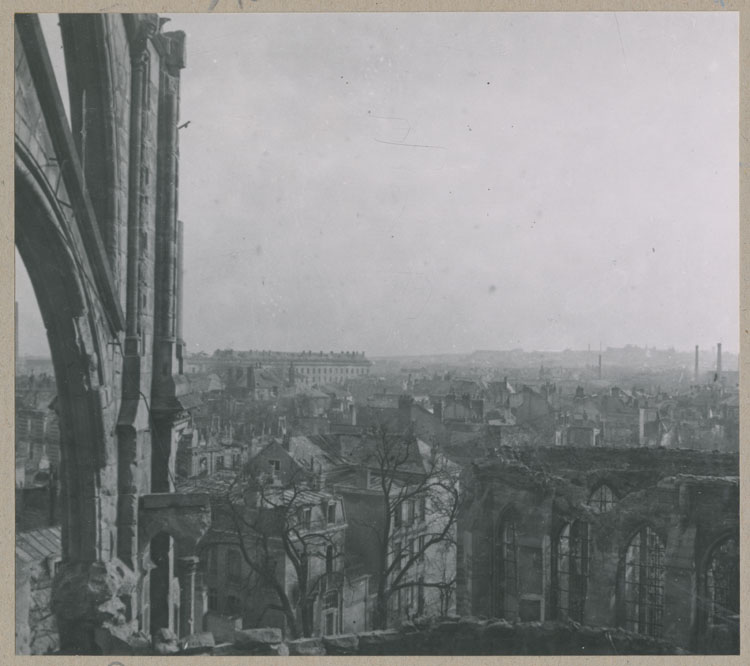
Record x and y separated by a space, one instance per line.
405 550
236 460
333 371
409 512
304 516
233 562
643 577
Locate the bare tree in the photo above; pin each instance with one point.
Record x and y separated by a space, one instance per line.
270 524
418 487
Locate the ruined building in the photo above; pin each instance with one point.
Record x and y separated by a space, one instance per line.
96 226
642 539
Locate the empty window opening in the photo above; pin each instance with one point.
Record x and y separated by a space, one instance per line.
570 572
506 569
723 583
644 583
602 499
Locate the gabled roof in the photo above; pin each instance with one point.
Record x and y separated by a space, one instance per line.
303 449
268 377
204 382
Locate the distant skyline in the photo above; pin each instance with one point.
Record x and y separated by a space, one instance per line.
436 183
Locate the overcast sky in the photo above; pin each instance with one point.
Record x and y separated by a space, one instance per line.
422 183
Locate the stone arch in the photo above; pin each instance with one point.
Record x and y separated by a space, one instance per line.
641 580
505 563
170 528
718 632
570 559
77 341
603 497
92 252
509 510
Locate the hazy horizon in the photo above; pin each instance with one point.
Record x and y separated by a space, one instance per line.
420 184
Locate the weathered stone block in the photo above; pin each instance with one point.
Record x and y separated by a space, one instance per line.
497 638
140 645
224 650
201 643
306 647
121 640
458 637
249 638
91 592
378 642
166 648
341 645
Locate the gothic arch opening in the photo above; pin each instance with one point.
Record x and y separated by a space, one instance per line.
75 346
571 557
643 579
719 596
505 566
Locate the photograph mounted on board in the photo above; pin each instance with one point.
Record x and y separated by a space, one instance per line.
377 333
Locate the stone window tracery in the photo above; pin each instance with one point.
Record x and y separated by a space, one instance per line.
644 575
602 499
723 582
570 561
506 568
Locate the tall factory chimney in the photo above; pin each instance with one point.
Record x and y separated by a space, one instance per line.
600 366
696 364
718 361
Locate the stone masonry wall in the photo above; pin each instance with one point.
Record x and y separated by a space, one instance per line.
666 490
451 636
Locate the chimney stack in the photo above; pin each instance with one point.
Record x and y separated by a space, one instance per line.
718 361
600 366
696 364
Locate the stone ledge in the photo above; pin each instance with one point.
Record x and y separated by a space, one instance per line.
306 647
453 636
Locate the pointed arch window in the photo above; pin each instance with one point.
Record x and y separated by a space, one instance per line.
505 593
643 587
722 578
570 572
603 499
